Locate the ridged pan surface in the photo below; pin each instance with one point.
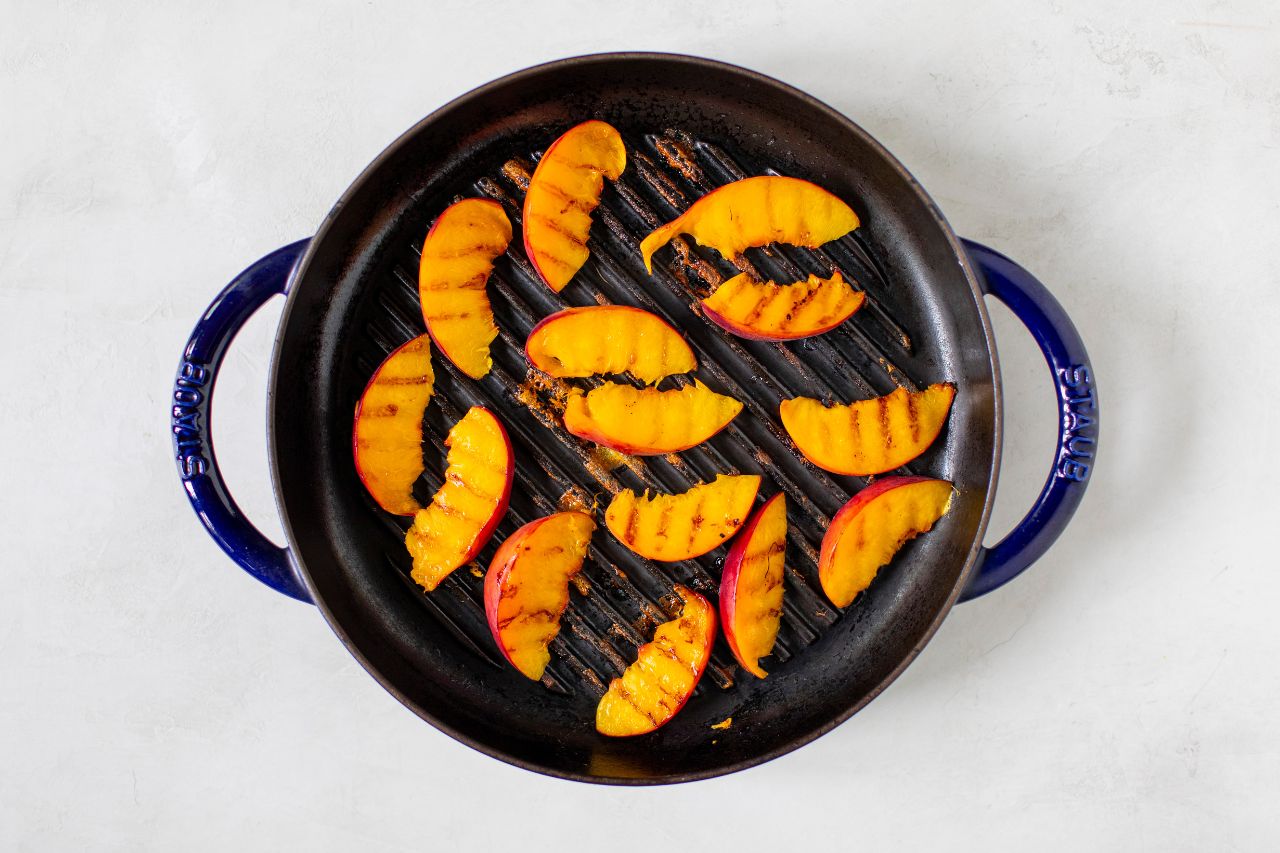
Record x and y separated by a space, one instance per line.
689 126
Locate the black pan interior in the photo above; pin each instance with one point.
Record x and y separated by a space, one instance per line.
689 124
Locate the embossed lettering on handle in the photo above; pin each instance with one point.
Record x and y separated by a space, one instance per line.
1079 422
189 392
190 416
1077 451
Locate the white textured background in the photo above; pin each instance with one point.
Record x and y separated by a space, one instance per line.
1121 696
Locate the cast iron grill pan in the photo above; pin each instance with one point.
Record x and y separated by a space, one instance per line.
619 598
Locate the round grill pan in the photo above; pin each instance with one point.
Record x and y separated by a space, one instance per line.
690 125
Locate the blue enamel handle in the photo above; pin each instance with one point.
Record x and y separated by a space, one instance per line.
193 430
1053 330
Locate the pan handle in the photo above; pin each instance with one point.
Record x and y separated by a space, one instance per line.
193 429
1073 378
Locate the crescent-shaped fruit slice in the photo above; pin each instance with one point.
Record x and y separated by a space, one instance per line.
654 688
875 523
387 436
646 421
782 312
578 342
457 258
683 526
563 193
463 513
751 585
869 436
526 589
755 212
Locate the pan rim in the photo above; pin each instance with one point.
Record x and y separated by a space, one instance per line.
849 126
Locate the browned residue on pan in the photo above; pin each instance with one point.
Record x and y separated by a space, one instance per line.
495 191
896 375
699 266
659 182
607 458
592 679
546 398
675 151
517 172
644 623
576 499
599 643
747 267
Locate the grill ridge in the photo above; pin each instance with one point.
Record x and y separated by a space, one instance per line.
620 596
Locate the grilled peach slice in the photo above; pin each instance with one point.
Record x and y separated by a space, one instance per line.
683 526
463 513
646 421
754 212
653 689
563 192
869 436
457 258
387 437
527 586
600 339
868 530
751 585
782 312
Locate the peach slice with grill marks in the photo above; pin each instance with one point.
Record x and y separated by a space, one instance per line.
754 212
526 589
653 689
465 510
751 585
869 436
598 339
386 438
782 312
563 193
680 527
457 259
646 421
868 530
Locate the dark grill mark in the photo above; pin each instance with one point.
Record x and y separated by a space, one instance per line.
529 616
633 520
882 405
860 539
761 303
664 519
450 511
488 251
553 224
625 695
913 417
813 291
570 203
